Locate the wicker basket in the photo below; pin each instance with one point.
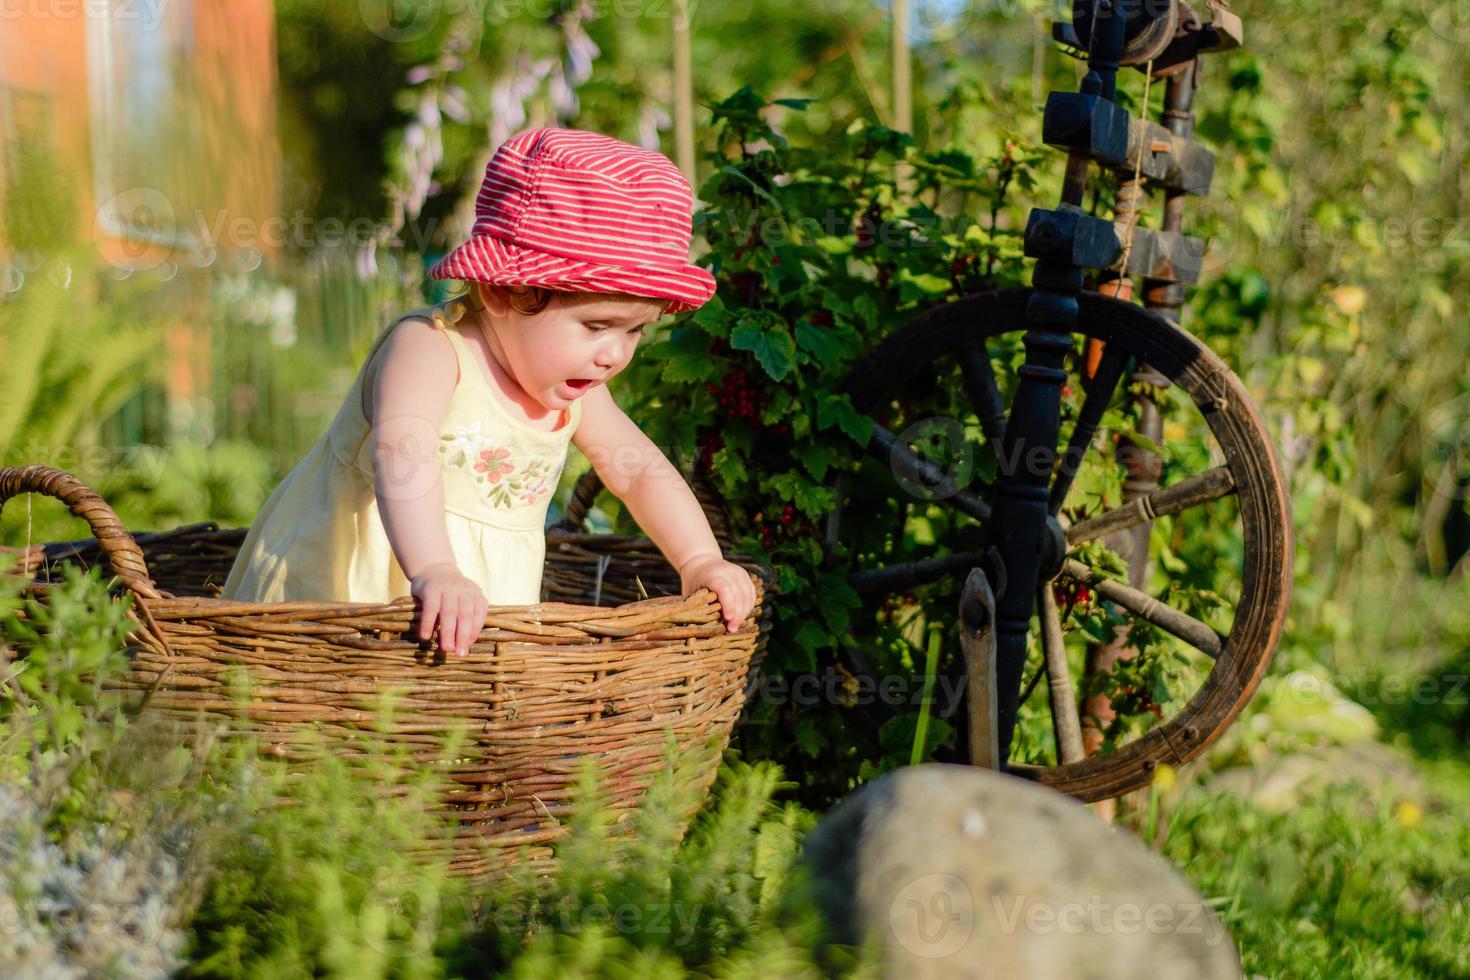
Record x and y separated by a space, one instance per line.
595 669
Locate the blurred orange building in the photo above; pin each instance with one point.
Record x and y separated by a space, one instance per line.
160 118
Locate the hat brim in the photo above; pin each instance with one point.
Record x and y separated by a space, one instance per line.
486 258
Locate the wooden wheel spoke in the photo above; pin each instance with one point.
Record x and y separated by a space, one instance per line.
1193 492
980 384
909 465
1065 724
906 575
1199 635
1099 395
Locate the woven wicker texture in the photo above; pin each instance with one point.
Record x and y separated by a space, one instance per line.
543 687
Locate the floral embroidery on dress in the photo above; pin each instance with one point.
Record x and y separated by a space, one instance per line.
460 444
495 468
493 464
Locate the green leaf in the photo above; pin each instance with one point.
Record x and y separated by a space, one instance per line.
819 342
808 738
897 735
915 287
797 104
818 458
713 317
811 637
838 410
732 171
1412 166
777 407
743 100
785 484
686 358
814 500
834 598
773 348
729 467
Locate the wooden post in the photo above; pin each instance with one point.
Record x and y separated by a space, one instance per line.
977 640
903 107
683 93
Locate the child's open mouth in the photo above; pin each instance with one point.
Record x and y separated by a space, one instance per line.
579 384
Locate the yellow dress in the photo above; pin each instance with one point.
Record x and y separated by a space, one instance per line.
320 536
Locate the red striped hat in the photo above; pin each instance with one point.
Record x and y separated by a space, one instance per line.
577 211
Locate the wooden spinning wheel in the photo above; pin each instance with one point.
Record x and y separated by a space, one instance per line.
953 369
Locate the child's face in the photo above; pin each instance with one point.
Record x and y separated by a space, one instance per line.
579 341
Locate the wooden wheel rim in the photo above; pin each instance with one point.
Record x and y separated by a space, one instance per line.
1260 490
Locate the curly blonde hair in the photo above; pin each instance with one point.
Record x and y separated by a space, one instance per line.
530 300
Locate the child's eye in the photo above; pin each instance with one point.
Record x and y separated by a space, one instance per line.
600 327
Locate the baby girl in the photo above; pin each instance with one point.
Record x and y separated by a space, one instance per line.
435 477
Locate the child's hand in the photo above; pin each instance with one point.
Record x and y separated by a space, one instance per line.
455 601
729 582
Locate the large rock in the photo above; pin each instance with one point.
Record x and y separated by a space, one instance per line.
1280 782
956 872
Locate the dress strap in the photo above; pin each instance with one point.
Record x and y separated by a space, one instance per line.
469 371
447 316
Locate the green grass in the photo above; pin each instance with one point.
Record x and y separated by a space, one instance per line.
1342 885
1347 882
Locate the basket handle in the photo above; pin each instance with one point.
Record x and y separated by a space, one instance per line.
116 541
584 491
589 485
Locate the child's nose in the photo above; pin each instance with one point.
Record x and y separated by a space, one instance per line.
615 355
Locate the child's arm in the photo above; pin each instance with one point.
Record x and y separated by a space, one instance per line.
415 380
634 469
